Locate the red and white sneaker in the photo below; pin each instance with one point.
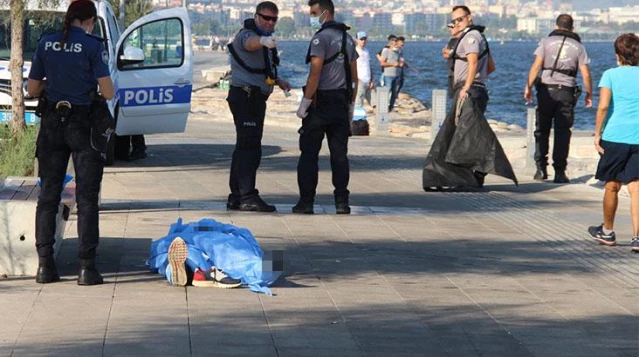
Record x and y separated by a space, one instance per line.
177 259
214 278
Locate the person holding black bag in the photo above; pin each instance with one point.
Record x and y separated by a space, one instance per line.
73 123
558 56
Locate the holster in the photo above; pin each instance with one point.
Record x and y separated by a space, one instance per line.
42 107
577 93
103 126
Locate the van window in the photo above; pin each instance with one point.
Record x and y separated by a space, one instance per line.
113 28
162 43
36 25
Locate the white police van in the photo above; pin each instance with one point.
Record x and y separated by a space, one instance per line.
151 65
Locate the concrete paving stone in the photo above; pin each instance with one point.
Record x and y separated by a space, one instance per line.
234 350
334 336
324 352
70 348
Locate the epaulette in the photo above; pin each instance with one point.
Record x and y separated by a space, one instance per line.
101 39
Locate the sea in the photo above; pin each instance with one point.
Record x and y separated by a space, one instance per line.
506 85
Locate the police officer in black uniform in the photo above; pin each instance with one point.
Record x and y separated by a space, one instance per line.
254 63
327 106
558 57
67 68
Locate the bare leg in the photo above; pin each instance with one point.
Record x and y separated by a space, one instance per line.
633 189
610 202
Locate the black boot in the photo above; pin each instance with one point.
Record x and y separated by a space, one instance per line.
303 207
47 272
341 205
88 274
256 204
560 177
541 173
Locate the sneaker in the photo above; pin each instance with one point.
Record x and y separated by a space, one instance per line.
214 278
177 259
634 245
605 239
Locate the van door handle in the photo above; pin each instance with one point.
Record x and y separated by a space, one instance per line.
182 82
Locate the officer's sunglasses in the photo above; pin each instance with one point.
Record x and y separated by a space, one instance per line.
454 22
268 18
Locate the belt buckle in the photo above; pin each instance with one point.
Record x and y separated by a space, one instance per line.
63 103
63 108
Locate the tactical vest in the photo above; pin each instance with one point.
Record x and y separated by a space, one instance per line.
270 70
454 56
347 65
565 34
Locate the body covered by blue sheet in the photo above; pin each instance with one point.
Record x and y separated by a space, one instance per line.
211 243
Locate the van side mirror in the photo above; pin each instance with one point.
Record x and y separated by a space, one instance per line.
131 55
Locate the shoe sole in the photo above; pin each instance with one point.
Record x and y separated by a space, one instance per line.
214 284
605 242
177 259
257 209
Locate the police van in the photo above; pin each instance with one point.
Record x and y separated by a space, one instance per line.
150 62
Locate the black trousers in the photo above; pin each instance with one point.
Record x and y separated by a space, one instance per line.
555 105
248 111
56 142
329 116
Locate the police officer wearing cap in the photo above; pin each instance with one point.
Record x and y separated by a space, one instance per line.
558 56
254 63
327 106
69 66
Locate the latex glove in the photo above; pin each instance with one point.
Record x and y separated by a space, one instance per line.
268 41
302 111
351 111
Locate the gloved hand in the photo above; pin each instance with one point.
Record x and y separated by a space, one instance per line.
302 111
351 111
268 41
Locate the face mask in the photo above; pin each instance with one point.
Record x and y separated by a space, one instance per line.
315 20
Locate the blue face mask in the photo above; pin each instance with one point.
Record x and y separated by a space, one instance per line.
315 20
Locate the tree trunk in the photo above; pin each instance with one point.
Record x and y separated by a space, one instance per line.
15 65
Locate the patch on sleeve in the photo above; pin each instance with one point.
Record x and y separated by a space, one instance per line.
471 40
316 42
105 57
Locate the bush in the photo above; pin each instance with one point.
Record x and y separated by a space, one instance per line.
17 153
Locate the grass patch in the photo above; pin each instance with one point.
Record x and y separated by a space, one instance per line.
17 153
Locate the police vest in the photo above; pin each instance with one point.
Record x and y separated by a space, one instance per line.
454 56
342 51
270 70
565 34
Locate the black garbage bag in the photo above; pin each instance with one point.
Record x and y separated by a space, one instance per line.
465 144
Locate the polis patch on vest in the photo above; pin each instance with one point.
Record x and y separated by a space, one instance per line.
68 47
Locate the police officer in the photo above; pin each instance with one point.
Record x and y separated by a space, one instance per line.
254 63
327 106
471 63
73 63
558 57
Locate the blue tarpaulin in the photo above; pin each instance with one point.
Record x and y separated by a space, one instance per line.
211 243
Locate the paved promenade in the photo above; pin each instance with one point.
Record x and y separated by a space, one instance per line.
505 271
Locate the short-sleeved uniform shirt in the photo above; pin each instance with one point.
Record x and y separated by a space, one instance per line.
573 55
622 124
325 44
390 56
72 70
472 42
254 59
